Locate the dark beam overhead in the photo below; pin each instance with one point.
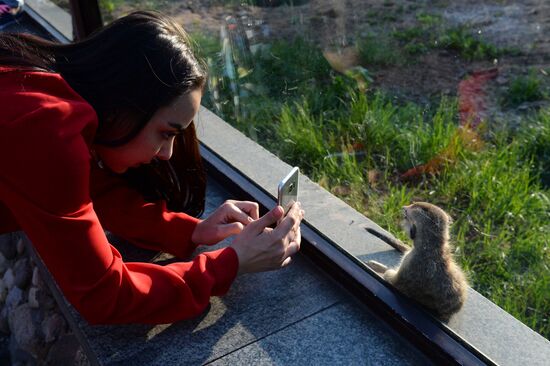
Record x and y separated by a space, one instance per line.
86 17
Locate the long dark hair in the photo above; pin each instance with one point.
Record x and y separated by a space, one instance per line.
127 70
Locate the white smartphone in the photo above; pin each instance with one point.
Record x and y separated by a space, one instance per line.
287 192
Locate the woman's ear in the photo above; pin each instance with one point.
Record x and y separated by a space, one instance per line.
412 231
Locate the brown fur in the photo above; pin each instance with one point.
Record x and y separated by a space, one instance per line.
428 272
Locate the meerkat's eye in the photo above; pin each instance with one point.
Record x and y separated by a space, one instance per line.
412 231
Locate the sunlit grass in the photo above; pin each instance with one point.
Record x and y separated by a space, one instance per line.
379 50
358 144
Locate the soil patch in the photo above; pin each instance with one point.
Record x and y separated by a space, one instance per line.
336 25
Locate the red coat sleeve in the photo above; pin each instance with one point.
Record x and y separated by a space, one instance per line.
123 211
44 181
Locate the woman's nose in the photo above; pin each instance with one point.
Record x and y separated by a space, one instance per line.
165 152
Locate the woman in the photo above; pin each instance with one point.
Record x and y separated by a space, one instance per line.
98 135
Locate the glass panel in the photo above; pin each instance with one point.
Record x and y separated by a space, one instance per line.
389 102
63 4
55 13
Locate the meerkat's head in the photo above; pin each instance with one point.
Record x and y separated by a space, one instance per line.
426 223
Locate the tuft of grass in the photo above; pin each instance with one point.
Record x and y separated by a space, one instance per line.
385 208
524 89
469 47
410 34
291 67
262 3
430 33
535 139
415 40
378 50
301 137
110 9
428 20
415 48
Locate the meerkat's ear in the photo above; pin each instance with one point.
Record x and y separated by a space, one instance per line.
412 231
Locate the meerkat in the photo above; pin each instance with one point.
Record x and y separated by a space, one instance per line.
427 272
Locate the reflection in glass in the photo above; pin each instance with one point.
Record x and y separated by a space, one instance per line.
63 4
388 102
53 15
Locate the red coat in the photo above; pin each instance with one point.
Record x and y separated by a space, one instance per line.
50 189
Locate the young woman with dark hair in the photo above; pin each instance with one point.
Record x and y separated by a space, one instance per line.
99 134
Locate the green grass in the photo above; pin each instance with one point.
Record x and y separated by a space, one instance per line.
428 34
108 8
522 89
379 50
356 145
431 33
535 136
468 46
260 2
428 20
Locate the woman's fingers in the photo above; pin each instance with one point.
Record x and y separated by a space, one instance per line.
241 211
234 214
266 220
286 262
292 249
230 229
250 208
292 218
292 235
262 248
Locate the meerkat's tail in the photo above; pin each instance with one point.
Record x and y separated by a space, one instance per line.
395 243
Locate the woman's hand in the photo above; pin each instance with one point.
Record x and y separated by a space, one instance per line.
260 248
229 219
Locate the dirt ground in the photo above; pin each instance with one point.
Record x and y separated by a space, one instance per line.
335 25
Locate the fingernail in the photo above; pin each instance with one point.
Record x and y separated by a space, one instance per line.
250 219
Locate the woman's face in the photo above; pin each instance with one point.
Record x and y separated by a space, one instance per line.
156 139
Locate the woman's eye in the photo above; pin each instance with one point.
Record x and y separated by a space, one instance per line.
168 135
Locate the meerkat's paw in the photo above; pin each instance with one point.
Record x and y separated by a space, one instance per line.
377 266
400 246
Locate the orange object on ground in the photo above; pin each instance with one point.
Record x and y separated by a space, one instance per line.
472 111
